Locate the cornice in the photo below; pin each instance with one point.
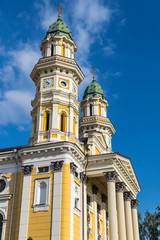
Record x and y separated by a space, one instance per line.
48 148
56 61
113 160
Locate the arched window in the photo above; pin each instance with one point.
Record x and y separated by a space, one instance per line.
35 124
43 191
91 110
46 121
63 122
52 50
63 50
1 225
99 109
74 126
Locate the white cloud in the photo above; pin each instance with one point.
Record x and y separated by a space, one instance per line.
115 96
46 12
25 57
116 74
19 65
15 107
122 22
109 49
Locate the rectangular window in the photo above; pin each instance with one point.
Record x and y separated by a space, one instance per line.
41 194
43 169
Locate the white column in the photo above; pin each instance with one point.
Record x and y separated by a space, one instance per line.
95 191
23 227
71 120
134 205
88 110
112 211
120 210
56 203
128 216
55 117
104 199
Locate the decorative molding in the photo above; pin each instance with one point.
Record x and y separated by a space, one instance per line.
73 167
94 189
83 177
104 198
57 165
120 186
27 169
134 203
5 197
127 196
111 176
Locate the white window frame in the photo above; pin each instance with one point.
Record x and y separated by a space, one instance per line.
76 208
41 207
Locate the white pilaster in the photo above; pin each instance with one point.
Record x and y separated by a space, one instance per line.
72 202
56 208
23 227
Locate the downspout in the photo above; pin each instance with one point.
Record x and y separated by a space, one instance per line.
14 156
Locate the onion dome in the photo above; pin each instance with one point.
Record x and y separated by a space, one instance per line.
59 28
94 90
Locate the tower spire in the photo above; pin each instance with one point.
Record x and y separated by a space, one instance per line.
59 10
93 73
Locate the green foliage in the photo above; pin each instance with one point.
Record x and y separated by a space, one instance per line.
149 227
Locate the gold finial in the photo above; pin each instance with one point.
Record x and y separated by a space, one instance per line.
93 73
59 10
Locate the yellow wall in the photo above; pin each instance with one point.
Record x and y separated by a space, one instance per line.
77 226
17 205
39 224
63 48
65 203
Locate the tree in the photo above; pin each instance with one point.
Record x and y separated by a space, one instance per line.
149 227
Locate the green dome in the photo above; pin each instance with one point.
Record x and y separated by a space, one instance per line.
59 28
94 90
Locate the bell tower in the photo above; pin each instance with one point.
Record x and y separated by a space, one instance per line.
55 113
95 127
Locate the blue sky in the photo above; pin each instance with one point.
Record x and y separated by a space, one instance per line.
122 40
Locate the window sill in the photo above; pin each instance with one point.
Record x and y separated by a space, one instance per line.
77 211
40 208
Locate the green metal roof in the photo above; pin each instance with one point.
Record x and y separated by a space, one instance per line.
59 28
94 90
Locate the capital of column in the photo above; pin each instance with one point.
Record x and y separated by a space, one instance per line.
134 203
83 177
120 186
111 176
27 169
94 189
57 165
104 198
127 196
73 167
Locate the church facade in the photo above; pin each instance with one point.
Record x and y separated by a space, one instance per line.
67 184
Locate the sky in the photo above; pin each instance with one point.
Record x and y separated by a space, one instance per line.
121 39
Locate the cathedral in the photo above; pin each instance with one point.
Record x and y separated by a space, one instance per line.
67 184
